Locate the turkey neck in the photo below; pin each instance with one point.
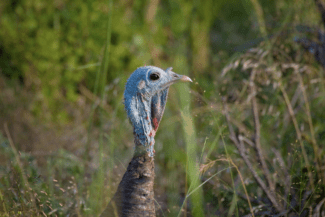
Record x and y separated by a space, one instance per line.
135 196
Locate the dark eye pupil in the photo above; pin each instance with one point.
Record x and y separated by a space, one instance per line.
154 76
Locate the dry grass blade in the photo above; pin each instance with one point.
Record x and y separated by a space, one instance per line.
311 127
287 176
317 209
20 166
240 146
258 133
205 167
295 123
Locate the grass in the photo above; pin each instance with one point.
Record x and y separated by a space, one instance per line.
247 141
97 200
195 163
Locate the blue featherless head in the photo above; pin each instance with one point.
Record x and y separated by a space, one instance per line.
145 99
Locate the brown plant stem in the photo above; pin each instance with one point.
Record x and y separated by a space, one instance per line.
257 134
312 131
240 146
295 123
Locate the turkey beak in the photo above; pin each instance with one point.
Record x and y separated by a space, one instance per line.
175 78
184 78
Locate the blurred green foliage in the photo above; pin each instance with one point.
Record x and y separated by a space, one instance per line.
56 46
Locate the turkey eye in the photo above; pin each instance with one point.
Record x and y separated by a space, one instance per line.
154 76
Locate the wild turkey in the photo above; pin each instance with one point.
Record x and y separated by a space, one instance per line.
145 99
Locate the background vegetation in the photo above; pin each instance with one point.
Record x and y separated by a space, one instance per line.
246 138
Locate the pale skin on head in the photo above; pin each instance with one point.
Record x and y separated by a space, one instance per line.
145 100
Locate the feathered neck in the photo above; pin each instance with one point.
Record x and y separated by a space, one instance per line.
145 112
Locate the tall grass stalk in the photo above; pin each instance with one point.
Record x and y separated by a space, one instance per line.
199 187
190 139
3 203
233 206
24 180
97 185
298 132
234 201
260 17
318 160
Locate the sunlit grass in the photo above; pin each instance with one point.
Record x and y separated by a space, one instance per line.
98 185
199 170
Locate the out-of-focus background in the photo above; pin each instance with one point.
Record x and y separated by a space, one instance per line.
246 138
